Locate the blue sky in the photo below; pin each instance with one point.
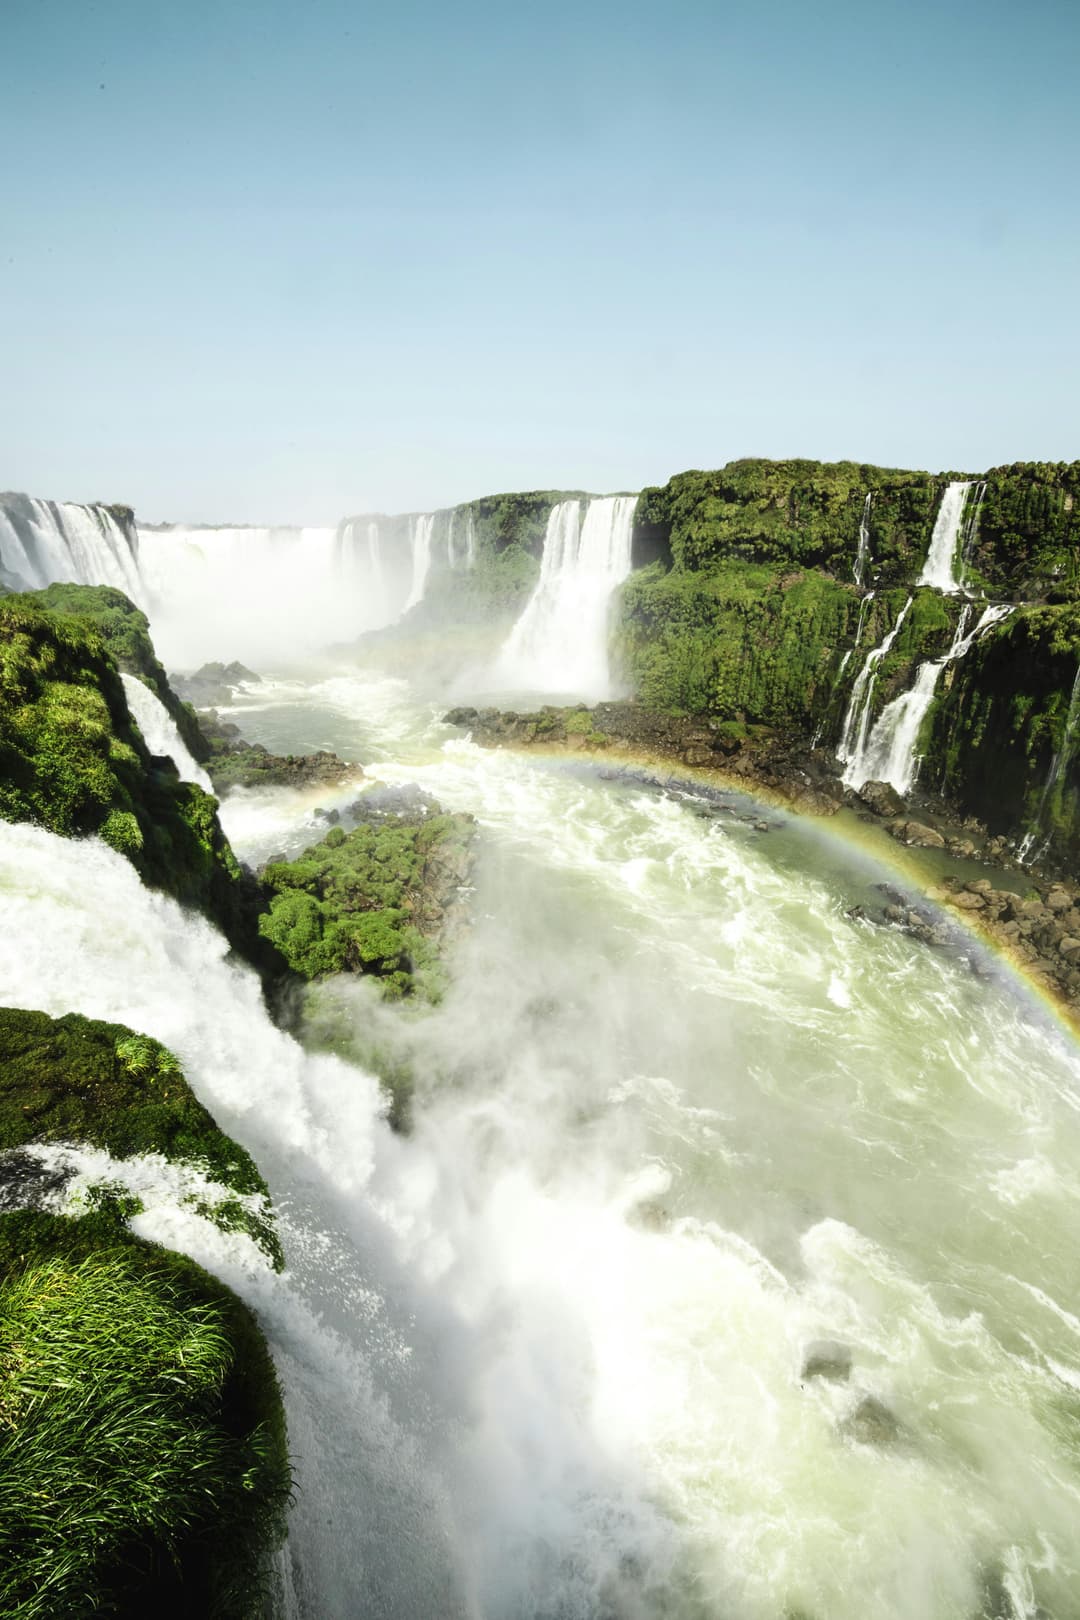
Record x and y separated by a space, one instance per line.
278 262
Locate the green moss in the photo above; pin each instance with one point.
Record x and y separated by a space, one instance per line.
125 631
798 513
72 760
1000 718
365 901
75 1079
143 1464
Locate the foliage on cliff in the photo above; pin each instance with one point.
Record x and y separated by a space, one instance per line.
75 1079
125 630
1003 716
370 900
802 514
72 760
1026 539
143 1463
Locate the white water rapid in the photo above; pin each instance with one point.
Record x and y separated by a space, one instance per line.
159 731
939 569
48 542
856 725
422 525
679 1117
559 645
889 754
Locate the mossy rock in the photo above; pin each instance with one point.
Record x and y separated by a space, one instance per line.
72 760
143 1458
80 1080
372 900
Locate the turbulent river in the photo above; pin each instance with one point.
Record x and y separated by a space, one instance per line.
679 1118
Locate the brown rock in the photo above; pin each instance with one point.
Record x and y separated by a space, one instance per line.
964 901
1068 946
916 832
980 886
1059 900
697 755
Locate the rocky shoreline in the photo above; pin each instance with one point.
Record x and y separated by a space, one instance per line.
1038 929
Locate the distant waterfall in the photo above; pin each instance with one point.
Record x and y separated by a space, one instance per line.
261 595
451 554
470 542
422 526
856 725
559 644
939 569
159 731
862 556
48 542
889 753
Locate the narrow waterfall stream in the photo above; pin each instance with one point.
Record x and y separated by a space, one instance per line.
422 527
159 731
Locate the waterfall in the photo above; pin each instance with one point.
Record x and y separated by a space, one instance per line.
422 526
860 704
889 754
862 556
940 565
48 542
969 528
262 595
864 608
1062 759
470 542
451 556
159 731
559 644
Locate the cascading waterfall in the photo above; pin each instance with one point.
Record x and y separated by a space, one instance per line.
862 555
159 731
48 542
470 542
451 553
939 570
559 644
1033 842
421 528
856 725
889 753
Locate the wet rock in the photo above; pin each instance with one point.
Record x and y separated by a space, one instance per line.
698 755
872 1423
980 886
881 798
461 717
827 1358
406 801
1059 900
1068 946
965 901
918 833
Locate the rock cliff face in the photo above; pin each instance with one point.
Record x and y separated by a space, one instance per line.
762 588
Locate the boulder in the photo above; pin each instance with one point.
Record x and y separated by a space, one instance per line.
827 1358
881 798
872 1423
916 832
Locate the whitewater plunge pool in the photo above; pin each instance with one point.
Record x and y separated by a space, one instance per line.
682 1128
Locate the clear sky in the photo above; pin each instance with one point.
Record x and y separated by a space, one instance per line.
271 261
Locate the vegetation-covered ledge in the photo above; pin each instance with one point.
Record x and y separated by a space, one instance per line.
143 1459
